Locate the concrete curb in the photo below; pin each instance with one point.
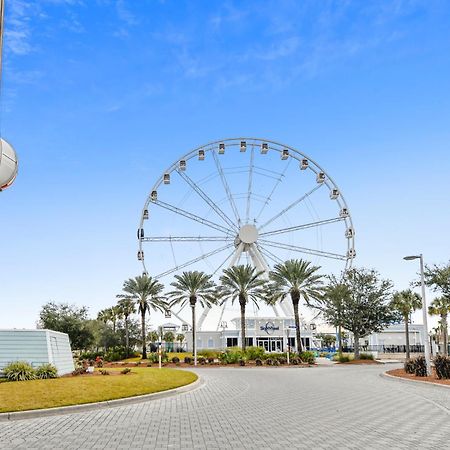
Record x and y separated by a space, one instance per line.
19 415
407 380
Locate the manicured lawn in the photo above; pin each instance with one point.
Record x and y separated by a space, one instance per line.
38 394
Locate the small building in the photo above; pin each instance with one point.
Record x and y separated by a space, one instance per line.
36 347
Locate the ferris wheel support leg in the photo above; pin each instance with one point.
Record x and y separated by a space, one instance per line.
234 259
261 264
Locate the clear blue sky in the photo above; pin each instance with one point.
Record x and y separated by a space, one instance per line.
99 97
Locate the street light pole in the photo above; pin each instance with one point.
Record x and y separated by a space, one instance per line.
424 311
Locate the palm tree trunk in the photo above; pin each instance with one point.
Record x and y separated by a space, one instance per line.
295 302
127 338
242 303
445 330
356 339
144 344
194 337
407 335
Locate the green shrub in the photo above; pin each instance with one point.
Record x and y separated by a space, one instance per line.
295 361
209 354
201 360
253 353
409 366
442 366
258 362
78 371
342 358
231 356
125 371
211 360
307 357
175 360
366 356
91 355
187 360
420 366
242 362
104 372
46 371
269 362
282 360
19 371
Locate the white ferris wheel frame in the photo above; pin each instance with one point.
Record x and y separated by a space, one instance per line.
233 231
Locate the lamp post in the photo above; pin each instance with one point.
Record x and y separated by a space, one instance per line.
224 326
424 311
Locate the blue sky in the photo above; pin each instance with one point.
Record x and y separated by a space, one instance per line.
99 97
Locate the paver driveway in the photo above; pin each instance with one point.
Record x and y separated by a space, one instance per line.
321 407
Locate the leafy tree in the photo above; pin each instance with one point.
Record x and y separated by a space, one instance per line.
126 307
191 287
69 319
180 339
146 292
405 303
368 308
441 307
437 277
295 278
327 339
153 336
245 284
330 304
169 336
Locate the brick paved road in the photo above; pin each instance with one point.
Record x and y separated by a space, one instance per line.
323 407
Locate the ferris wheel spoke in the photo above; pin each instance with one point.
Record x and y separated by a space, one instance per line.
250 182
206 198
193 261
269 254
308 251
191 216
186 239
303 226
292 205
269 197
226 187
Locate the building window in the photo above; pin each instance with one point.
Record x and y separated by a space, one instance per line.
210 343
249 342
232 342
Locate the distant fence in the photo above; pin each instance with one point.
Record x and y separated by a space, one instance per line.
385 348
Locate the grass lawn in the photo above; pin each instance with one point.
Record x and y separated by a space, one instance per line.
38 394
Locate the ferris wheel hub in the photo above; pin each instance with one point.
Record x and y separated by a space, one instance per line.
248 234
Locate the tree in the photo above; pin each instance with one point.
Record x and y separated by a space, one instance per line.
153 336
245 284
295 278
191 287
169 337
331 302
405 303
69 319
368 308
441 307
327 339
437 277
126 307
146 292
180 339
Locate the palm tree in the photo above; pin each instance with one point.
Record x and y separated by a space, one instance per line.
105 315
297 278
440 306
146 292
115 316
126 307
406 302
191 287
180 340
245 284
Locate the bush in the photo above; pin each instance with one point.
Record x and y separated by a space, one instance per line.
366 356
342 357
105 372
442 366
125 371
258 362
420 366
276 362
253 353
242 362
269 362
78 371
211 360
91 355
149 364
187 360
209 354
19 371
307 357
201 360
231 356
175 360
295 361
46 371
409 366
282 360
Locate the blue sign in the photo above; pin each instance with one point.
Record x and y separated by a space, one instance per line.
269 327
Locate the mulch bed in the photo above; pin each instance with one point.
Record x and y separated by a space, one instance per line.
362 361
400 373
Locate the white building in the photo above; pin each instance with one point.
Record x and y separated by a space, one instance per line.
36 347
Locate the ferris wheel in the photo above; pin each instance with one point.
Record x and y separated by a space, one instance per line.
239 201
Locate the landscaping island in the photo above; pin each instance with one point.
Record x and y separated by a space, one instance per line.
77 390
